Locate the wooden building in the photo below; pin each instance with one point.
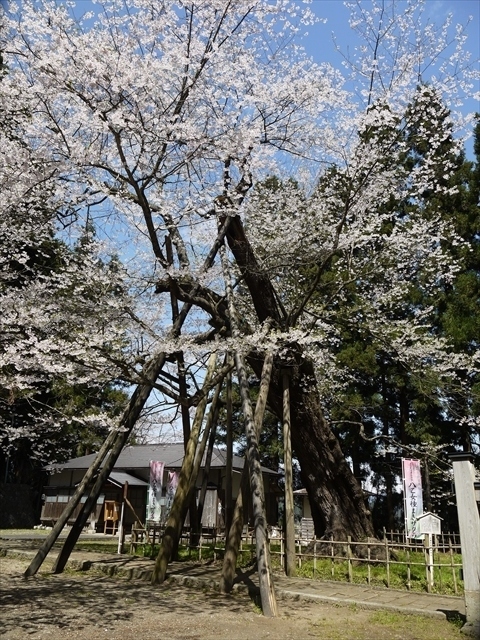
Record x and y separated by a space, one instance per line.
133 468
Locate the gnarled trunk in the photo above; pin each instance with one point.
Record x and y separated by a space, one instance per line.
336 496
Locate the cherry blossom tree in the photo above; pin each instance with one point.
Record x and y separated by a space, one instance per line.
62 308
159 122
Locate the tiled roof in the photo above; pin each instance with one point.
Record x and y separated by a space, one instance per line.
139 457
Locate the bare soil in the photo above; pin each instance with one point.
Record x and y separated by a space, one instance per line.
91 606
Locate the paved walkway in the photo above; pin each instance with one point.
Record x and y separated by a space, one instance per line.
207 575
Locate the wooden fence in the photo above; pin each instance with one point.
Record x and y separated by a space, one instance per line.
392 564
393 561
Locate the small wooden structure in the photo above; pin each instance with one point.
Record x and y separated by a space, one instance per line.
111 516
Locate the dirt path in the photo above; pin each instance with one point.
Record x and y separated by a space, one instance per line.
89 606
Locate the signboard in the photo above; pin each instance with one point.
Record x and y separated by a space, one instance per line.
154 507
430 523
412 496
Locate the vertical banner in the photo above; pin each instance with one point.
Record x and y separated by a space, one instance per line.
172 483
154 506
412 496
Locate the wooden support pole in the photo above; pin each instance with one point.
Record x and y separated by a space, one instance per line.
229 462
234 535
121 524
85 485
176 516
211 429
289 515
116 437
267 592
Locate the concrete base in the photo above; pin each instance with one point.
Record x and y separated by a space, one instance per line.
472 609
471 630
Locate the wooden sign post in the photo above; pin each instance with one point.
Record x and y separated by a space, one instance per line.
469 521
429 525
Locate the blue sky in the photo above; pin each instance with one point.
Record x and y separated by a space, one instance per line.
319 42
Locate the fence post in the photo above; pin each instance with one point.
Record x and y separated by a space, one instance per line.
349 559
314 556
369 570
333 557
428 554
409 571
387 557
454 573
469 522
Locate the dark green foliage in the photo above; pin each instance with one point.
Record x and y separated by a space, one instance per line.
414 413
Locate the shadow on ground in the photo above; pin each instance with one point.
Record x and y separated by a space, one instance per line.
67 601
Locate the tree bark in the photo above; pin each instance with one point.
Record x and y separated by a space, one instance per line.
337 497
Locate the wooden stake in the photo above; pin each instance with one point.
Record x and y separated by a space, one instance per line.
289 516
229 464
121 524
267 593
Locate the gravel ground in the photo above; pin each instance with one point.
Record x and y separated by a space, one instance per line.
90 606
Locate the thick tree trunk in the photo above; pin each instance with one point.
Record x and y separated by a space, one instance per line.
336 496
